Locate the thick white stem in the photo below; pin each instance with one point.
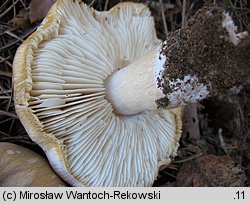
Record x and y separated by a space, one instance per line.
155 82
137 87
133 89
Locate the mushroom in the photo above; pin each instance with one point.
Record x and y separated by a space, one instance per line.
21 167
102 95
96 126
192 63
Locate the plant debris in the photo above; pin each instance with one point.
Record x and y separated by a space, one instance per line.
209 171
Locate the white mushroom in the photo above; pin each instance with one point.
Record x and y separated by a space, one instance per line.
67 99
90 87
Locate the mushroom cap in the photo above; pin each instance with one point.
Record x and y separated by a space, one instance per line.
21 167
59 93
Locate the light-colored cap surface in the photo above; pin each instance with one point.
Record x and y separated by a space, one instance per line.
59 74
21 167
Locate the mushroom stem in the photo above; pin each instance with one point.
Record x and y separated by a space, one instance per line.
205 58
134 89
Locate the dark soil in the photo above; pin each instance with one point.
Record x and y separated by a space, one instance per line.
202 49
211 170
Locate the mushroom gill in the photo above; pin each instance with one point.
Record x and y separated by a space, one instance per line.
60 96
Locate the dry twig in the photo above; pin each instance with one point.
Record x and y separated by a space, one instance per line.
5 113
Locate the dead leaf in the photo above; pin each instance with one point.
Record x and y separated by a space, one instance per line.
39 9
22 20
